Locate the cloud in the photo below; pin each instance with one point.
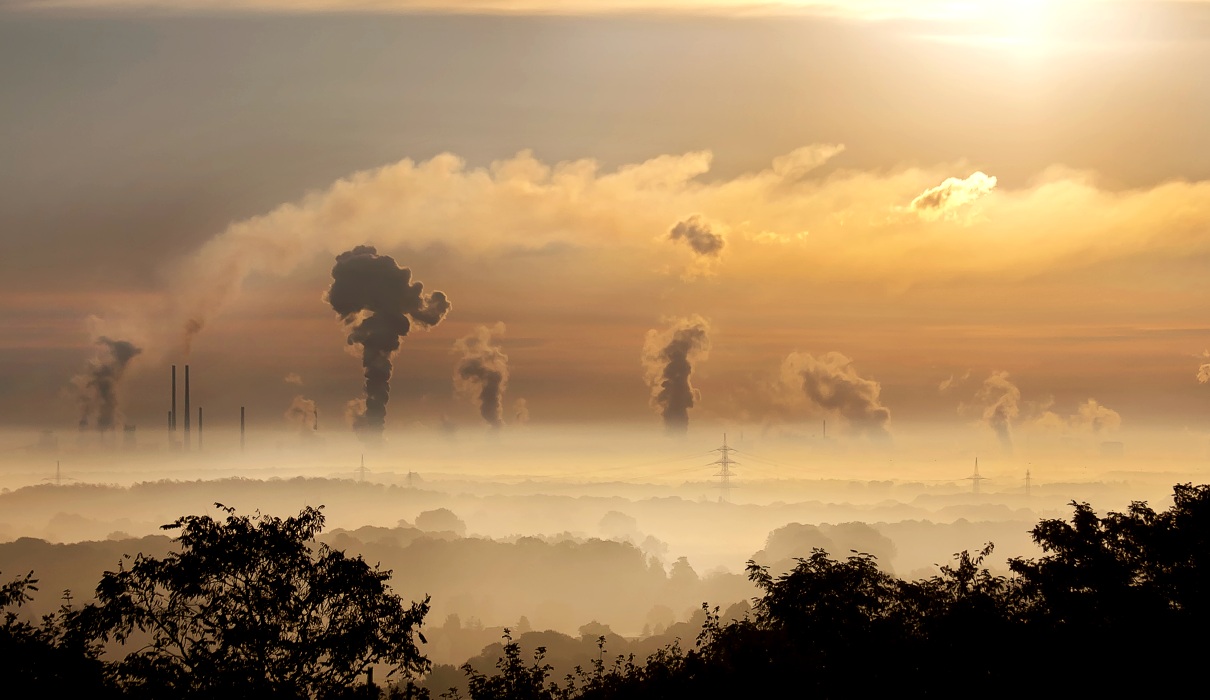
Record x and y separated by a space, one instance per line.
859 230
482 372
668 359
831 384
293 378
855 9
1203 371
952 194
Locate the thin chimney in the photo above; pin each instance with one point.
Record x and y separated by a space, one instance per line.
199 428
172 413
241 428
186 407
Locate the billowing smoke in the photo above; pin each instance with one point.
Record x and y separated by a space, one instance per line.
1090 417
293 378
951 194
99 387
1001 402
1203 372
303 414
1093 416
483 372
831 384
668 358
520 412
378 301
704 237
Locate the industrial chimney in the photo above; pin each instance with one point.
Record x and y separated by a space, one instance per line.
186 407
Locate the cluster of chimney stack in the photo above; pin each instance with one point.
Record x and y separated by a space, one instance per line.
172 422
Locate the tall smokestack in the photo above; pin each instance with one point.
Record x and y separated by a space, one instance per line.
241 428
172 413
186 407
199 428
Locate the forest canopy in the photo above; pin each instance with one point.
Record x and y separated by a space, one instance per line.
251 605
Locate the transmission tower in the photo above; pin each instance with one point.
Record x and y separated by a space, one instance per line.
975 478
58 478
724 473
1028 483
361 471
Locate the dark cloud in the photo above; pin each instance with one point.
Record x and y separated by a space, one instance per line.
668 358
483 372
704 237
378 301
98 388
831 383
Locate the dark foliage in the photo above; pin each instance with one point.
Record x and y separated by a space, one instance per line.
250 606
1117 606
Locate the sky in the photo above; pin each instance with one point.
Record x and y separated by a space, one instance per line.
991 218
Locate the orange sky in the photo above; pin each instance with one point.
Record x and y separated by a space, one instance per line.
928 200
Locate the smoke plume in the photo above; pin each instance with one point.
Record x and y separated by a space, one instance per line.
700 234
832 384
1203 371
520 412
668 358
1001 401
483 372
378 301
99 387
302 413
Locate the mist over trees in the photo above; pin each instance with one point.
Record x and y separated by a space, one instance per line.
252 605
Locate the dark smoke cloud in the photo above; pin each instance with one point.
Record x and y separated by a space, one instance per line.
831 383
379 302
1001 400
668 358
99 387
701 235
483 371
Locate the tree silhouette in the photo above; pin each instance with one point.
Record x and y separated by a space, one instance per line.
251 606
52 658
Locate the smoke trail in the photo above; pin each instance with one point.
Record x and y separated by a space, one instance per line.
668 358
303 413
379 302
1001 404
99 387
483 370
831 383
700 234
